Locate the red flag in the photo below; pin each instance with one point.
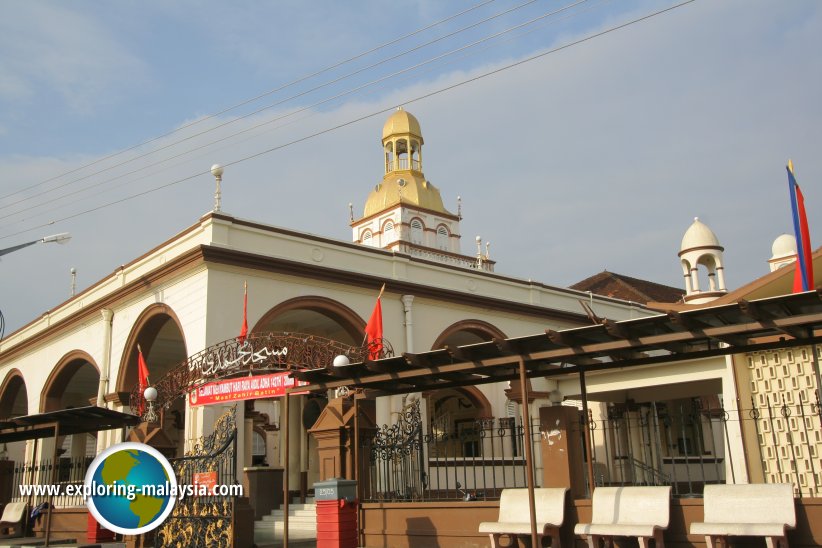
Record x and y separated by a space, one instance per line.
244 328
142 376
142 371
373 330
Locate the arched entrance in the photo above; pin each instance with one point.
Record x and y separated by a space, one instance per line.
311 315
158 333
456 413
73 382
314 316
14 402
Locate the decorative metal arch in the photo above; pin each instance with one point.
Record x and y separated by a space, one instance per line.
259 353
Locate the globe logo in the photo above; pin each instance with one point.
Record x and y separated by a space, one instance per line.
131 488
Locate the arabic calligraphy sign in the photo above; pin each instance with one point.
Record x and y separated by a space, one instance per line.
243 388
260 354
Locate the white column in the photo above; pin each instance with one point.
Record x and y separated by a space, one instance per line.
409 322
239 417
720 274
735 452
695 279
105 371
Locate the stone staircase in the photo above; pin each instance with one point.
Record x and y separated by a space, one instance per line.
302 526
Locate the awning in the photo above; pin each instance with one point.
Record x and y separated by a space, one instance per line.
79 420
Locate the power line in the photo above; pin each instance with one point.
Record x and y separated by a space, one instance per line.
288 115
366 116
253 99
267 107
451 61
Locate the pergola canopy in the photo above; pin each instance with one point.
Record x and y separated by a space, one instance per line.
776 322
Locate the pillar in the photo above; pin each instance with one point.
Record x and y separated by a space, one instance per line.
562 458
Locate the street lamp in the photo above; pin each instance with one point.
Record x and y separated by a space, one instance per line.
61 238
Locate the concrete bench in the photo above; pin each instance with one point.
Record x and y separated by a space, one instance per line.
757 510
515 515
640 512
12 519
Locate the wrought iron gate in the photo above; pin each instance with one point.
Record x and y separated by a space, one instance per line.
204 521
393 459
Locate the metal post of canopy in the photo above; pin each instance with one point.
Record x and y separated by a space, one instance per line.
529 457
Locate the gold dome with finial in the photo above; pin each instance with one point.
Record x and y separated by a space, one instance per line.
404 181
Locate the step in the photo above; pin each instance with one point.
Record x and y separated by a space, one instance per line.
297 506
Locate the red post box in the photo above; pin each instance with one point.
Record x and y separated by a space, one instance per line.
97 533
336 513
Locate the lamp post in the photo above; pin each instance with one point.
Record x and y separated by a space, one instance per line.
61 238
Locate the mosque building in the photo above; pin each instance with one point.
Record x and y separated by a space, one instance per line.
181 303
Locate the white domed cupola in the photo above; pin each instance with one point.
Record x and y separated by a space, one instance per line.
783 251
700 248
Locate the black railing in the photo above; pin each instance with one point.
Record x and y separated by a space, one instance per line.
691 443
474 460
24 475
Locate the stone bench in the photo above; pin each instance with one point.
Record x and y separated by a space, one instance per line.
757 510
12 520
515 515
641 512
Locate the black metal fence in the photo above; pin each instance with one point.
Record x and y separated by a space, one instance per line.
686 444
23 476
690 443
473 461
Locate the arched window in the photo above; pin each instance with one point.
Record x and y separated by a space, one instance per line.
389 157
366 238
415 156
442 237
258 449
417 229
402 154
388 232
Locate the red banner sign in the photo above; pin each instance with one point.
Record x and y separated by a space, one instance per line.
243 388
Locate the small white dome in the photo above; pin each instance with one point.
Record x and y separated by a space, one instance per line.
783 246
699 235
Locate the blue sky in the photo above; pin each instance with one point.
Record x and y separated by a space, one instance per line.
595 157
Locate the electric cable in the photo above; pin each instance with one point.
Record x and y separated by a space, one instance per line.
366 116
253 99
288 115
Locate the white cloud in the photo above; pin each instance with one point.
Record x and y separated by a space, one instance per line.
48 47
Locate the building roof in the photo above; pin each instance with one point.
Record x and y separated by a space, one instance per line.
618 286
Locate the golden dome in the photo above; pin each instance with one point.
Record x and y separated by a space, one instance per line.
402 123
414 190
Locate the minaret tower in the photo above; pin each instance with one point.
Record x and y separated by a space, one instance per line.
700 247
404 212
